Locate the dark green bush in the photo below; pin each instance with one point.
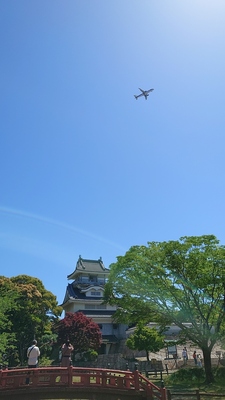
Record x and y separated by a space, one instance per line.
90 355
220 372
187 375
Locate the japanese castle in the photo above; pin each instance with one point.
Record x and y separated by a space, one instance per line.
85 294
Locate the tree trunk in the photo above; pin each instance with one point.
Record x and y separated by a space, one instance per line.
208 365
147 355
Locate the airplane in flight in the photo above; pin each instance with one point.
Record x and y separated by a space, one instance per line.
144 93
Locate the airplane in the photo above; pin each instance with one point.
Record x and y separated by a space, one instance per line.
144 93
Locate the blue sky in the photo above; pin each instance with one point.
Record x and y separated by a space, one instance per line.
85 168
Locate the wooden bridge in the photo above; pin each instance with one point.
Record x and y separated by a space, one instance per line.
76 383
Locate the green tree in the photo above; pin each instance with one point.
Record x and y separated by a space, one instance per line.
181 281
7 338
32 315
83 333
145 338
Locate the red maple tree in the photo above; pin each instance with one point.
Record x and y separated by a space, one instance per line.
83 333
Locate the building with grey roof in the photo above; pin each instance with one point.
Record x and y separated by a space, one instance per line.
85 294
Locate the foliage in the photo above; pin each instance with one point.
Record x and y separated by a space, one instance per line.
147 339
180 281
45 361
7 337
90 355
31 315
194 378
83 332
196 375
49 349
220 372
133 309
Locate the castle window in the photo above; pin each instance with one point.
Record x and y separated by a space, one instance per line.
93 278
89 306
84 279
95 293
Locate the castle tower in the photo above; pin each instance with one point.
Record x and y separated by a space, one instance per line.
85 294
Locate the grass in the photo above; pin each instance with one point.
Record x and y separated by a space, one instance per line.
217 387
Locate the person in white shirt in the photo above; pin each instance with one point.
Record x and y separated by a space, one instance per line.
184 355
33 353
199 360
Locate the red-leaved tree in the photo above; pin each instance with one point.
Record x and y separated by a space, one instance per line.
83 333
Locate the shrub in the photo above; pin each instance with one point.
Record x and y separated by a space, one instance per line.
90 355
220 372
45 362
187 375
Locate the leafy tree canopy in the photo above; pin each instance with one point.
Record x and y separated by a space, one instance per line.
179 281
31 315
145 338
7 337
82 332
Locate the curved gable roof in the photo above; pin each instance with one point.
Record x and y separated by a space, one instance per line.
88 267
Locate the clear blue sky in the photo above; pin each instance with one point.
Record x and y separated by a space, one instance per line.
85 168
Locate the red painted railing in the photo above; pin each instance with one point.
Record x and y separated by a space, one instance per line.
79 377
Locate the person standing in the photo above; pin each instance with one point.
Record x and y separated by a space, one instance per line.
67 349
184 355
199 360
33 353
195 357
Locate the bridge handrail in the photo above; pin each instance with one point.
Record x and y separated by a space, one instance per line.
79 377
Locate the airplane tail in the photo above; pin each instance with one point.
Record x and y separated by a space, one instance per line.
136 97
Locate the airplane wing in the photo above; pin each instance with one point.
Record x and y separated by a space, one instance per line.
150 90
141 90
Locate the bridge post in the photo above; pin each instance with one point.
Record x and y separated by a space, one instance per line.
70 375
1 380
108 380
98 378
163 393
35 377
104 380
127 381
136 379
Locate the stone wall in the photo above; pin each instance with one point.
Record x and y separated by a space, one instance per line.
116 361
125 358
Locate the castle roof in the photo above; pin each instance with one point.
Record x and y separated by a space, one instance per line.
76 293
84 266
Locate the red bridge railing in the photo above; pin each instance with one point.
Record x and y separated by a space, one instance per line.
79 377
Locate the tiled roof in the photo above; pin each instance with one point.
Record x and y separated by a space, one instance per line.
71 291
109 339
76 293
89 266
